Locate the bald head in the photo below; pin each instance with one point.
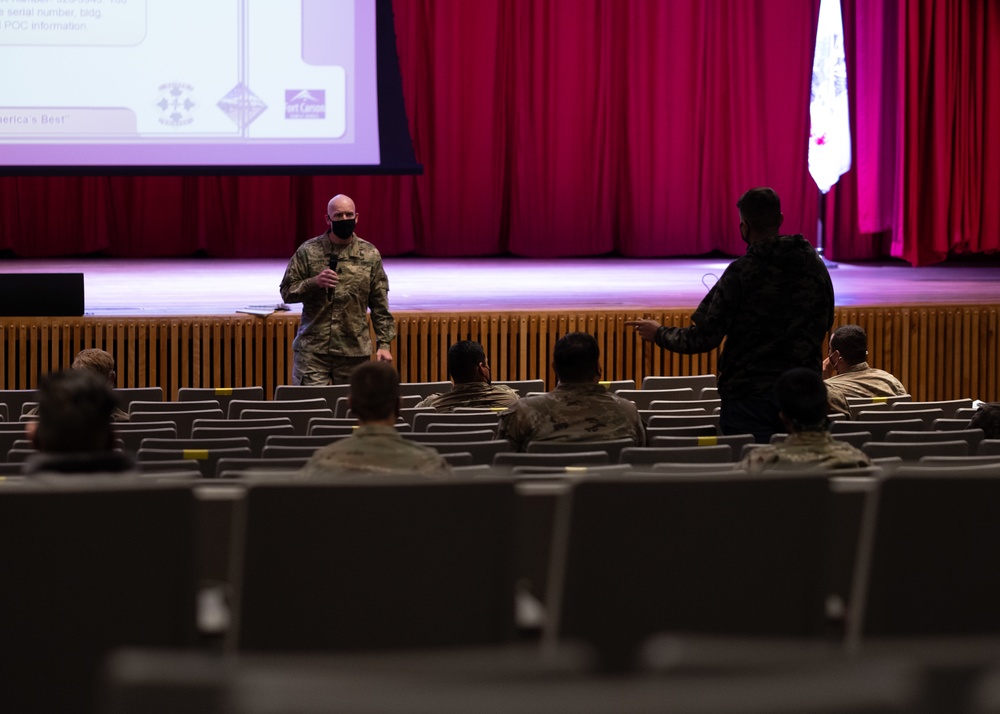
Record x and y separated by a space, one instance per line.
341 216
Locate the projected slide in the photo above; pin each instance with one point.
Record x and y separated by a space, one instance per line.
188 83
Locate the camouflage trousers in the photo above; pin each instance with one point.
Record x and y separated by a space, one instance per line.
310 368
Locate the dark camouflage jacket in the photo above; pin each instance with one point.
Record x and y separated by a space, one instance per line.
811 449
374 448
571 412
860 381
337 324
472 394
773 306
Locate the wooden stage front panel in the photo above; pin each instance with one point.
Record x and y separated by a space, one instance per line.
938 352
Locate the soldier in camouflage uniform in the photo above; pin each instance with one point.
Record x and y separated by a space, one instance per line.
848 374
333 337
375 447
802 397
578 409
773 306
468 368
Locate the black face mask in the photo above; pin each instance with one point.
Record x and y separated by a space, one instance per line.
343 229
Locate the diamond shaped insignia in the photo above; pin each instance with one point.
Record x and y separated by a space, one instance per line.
241 105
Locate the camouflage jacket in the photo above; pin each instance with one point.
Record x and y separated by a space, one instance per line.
814 449
337 324
860 381
773 306
374 448
471 394
571 412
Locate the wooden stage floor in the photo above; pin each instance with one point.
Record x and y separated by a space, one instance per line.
188 287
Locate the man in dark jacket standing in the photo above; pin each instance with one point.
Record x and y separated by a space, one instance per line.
773 306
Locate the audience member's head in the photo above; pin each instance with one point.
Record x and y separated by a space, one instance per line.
850 343
467 362
577 358
75 410
97 361
760 212
987 418
802 399
374 394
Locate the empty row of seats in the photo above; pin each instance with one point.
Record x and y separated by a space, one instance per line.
376 566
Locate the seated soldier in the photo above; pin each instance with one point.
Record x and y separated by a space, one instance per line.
469 370
375 447
847 372
578 409
802 400
100 363
74 432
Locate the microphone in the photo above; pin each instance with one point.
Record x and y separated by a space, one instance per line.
333 267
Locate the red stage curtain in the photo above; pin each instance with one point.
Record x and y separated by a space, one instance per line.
581 127
925 79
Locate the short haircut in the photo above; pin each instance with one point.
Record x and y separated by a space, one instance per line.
852 343
75 409
94 360
760 207
374 391
802 398
577 358
463 358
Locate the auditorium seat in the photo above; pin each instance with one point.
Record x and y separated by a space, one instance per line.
710 406
229 466
642 397
330 392
878 429
14 398
315 441
949 406
440 427
165 407
124 396
670 420
483 452
119 570
724 556
613 385
913 450
375 566
223 395
583 457
423 389
706 430
523 386
736 441
929 549
182 420
695 381
284 406
423 419
257 435
200 453
300 418
927 416
612 447
854 438
430 437
131 439
639 455
972 436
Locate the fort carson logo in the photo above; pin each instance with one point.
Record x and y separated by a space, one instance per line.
305 104
175 103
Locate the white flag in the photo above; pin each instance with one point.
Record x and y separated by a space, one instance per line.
829 130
